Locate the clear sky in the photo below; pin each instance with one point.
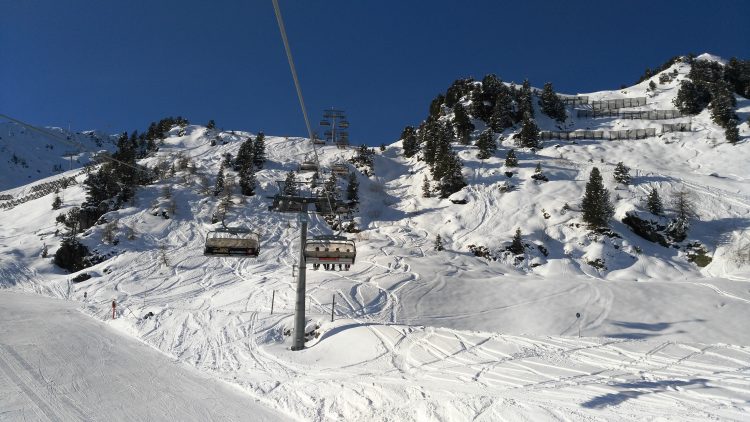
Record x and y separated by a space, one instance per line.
118 65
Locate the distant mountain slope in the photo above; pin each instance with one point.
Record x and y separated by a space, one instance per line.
28 156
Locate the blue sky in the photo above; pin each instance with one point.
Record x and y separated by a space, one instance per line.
117 66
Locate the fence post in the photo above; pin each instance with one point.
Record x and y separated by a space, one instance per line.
273 296
333 304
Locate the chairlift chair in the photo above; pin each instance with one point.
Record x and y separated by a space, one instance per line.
308 166
233 242
330 250
340 169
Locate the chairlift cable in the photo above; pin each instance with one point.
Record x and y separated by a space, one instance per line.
290 59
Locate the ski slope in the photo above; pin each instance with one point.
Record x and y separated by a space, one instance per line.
427 335
56 364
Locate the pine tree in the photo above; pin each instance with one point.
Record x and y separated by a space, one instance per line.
486 145
219 187
438 245
56 203
502 112
491 86
684 209
211 124
722 103
443 151
654 203
365 158
290 184
352 190
737 73
462 124
692 97
622 173
596 206
684 205
458 89
551 104
453 180
432 135
259 150
510 159
247 181
538 174
410 143
516 246
529 135
245 155
479 109
426 189
732 132
70 254
524 100
436 106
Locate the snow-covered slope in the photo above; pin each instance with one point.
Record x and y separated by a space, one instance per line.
28 156
458 336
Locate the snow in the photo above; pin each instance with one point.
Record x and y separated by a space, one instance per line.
56 364
39 156
427 335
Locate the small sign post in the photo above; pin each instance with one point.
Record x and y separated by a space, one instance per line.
333 305
578 317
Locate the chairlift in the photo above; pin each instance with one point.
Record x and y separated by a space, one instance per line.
340 169
343 123
234 242
308 166
325 123
330 250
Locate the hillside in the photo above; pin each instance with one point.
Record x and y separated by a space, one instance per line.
30 156
461 336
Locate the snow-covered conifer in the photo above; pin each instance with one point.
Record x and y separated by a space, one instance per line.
622 173
516 245
596 206
510 159
486 145
654 203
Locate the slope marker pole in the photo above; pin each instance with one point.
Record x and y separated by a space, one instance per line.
333 305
